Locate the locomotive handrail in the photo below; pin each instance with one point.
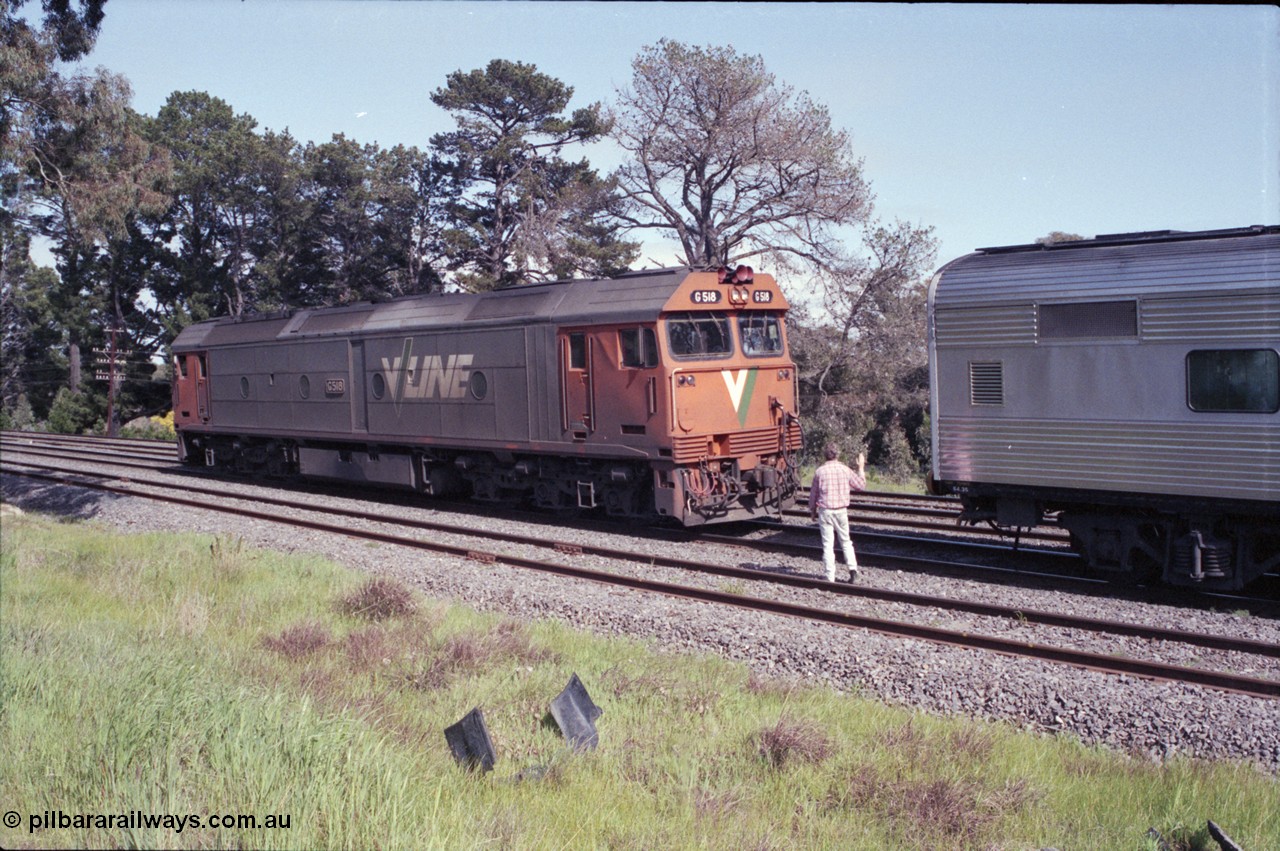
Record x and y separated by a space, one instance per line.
564 384
591 384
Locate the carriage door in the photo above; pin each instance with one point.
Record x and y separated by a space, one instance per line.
577 392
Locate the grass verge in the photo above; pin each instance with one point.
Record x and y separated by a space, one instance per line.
188 676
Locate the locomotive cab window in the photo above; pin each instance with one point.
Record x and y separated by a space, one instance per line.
638 347
699 335
1234 381
761 334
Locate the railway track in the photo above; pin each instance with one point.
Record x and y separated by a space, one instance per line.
956 552
337 521
921 513
868 527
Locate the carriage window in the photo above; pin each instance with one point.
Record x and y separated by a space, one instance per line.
1088 320
1234 381
181 363
761 334
699 335
639 347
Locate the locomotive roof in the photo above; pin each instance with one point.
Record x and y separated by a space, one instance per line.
630 297
1116 265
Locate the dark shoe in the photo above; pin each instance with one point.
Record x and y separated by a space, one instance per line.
853 577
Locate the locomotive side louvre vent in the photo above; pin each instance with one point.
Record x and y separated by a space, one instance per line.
504 306
986 383
1088 320
337 320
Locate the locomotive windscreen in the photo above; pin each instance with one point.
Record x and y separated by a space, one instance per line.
699 335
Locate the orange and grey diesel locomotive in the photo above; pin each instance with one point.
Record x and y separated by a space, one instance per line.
1126 387
667 393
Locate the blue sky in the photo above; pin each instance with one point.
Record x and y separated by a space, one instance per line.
993 124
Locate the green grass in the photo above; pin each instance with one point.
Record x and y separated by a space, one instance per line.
188 675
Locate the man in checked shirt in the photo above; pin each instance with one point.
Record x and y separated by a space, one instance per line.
828 504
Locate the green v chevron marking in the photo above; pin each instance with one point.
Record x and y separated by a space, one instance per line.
741 386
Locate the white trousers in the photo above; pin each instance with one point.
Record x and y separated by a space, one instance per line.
833 523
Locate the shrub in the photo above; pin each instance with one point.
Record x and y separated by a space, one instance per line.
378 600
150 428
787 741
74 413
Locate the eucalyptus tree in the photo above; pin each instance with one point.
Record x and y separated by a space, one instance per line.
862 360
77 169
519 211
732 163
33 355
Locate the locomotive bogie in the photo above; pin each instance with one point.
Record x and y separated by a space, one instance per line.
1126 388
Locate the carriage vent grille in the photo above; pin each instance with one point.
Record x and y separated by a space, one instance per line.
986 383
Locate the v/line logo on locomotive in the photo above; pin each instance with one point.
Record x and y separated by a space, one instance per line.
437 379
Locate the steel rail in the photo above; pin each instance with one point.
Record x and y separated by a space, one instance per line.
49 443
1042 617
1253 686
45 451
99 439
856 516
101 450
863 511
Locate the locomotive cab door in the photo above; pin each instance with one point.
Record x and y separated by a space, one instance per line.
577 391
191 388
202 387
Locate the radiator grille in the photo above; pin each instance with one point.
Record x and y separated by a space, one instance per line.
754 442
691 448
686 450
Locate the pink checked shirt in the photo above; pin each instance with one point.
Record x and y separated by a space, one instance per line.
831 485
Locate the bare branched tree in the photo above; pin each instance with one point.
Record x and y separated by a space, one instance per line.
731 162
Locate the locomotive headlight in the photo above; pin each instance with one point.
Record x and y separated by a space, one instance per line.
784 374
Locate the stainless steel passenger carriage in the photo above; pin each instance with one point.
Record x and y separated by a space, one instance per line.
1126 387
